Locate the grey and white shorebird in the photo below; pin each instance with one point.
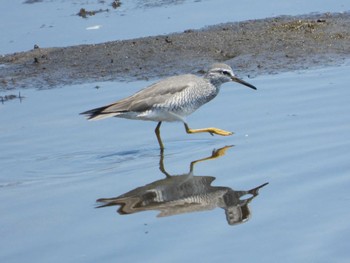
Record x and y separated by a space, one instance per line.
171 99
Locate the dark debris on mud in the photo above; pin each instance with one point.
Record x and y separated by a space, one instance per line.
9 97
265 46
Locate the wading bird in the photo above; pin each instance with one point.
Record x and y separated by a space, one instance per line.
171 99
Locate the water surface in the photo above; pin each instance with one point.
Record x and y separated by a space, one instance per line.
51 23
293 132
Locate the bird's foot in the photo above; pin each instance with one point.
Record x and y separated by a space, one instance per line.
217 131
211 130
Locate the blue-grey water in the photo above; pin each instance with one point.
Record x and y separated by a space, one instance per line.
51 23
293 132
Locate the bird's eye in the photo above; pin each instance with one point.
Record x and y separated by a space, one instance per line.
226 73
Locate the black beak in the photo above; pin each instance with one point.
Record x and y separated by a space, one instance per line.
235 79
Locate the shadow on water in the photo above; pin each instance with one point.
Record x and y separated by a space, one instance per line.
185 193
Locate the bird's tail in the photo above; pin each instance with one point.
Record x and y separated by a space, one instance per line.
98 114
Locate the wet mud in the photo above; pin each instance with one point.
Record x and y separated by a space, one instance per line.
255 47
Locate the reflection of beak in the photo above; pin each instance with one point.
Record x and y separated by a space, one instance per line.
235 79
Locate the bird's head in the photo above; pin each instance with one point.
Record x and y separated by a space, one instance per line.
220 73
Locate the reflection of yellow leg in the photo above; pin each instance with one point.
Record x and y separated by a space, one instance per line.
215 154
220 152
157 131
212 131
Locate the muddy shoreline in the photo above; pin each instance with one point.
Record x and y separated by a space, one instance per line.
255 47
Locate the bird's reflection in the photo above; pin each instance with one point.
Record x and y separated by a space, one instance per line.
178 194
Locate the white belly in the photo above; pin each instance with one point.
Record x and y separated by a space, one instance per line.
154 115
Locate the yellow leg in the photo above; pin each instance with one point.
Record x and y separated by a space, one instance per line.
212 131
157 131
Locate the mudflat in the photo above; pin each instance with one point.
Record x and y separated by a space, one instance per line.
252 47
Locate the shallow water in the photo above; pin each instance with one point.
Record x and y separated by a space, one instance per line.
293 132
51 23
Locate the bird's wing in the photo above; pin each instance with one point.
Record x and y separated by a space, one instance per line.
157 93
